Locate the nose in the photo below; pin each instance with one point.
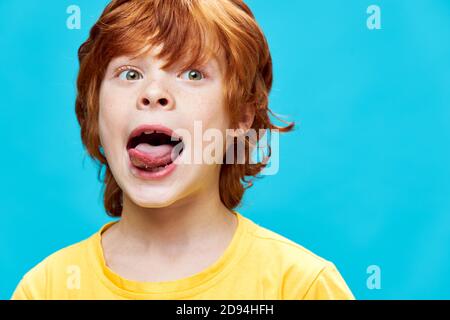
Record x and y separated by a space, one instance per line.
153 97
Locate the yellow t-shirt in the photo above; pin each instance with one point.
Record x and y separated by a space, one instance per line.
257 264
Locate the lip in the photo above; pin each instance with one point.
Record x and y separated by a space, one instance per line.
146 175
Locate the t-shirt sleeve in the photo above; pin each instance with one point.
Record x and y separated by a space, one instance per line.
329 285
32 286
20 293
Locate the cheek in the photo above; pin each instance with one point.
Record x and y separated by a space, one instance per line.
212 114
112 119
210 110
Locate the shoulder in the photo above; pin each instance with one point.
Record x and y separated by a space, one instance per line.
303 274
286 251
57 266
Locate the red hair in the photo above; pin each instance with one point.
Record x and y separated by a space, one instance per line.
202 28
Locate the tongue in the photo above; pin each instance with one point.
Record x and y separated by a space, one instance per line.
155 151
146 155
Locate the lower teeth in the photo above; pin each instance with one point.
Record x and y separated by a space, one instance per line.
156 169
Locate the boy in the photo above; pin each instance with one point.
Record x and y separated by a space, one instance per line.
149 72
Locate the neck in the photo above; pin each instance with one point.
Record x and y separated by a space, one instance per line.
188 221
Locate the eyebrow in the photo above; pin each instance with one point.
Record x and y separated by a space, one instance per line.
211 64
122 60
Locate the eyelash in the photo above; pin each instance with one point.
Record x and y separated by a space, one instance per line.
126 68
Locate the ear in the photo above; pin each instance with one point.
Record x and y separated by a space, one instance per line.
246 118
245 121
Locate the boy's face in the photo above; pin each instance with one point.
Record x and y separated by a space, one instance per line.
137 92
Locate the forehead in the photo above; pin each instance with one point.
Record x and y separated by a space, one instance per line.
210 58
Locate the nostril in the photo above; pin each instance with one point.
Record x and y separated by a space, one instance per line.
163 101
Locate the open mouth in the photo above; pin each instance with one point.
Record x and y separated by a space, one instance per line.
153 150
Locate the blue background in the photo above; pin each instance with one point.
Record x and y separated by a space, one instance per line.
364 180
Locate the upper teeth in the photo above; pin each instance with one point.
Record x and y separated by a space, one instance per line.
175 138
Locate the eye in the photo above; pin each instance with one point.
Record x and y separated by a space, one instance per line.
130 75
194 74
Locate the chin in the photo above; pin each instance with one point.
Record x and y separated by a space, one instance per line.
152 199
